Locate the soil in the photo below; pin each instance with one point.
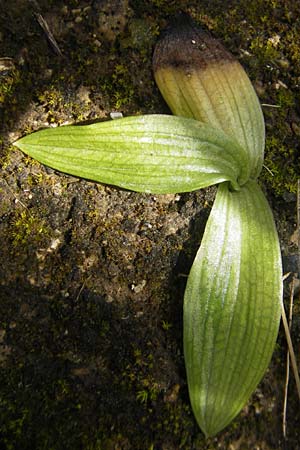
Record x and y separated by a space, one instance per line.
91 276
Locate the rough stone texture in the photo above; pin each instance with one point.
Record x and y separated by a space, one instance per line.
92 277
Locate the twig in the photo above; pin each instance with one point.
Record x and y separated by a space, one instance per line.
291 348
42 22
270 171
298 224
288 326
287 375
82 287
270 106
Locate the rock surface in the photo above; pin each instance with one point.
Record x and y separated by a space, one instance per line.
92 277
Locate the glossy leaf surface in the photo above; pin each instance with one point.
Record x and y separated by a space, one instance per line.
231 306
152 153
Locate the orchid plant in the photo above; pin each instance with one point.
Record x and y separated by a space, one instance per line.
233 295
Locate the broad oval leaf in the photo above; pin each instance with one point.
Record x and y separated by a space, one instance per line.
152 153
231 306
199 78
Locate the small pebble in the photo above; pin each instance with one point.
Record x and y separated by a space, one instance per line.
116 115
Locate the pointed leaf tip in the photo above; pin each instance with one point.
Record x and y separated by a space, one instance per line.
153 153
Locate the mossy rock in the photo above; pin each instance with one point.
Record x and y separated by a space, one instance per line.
92 277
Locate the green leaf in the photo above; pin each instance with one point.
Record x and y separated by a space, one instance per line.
152 153
231 306
200 79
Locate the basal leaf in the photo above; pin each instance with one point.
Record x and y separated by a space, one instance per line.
200 79
152 153
231 306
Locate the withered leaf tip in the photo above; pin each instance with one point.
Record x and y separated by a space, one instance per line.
185 45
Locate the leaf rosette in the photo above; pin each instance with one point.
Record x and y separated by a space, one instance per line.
234 290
